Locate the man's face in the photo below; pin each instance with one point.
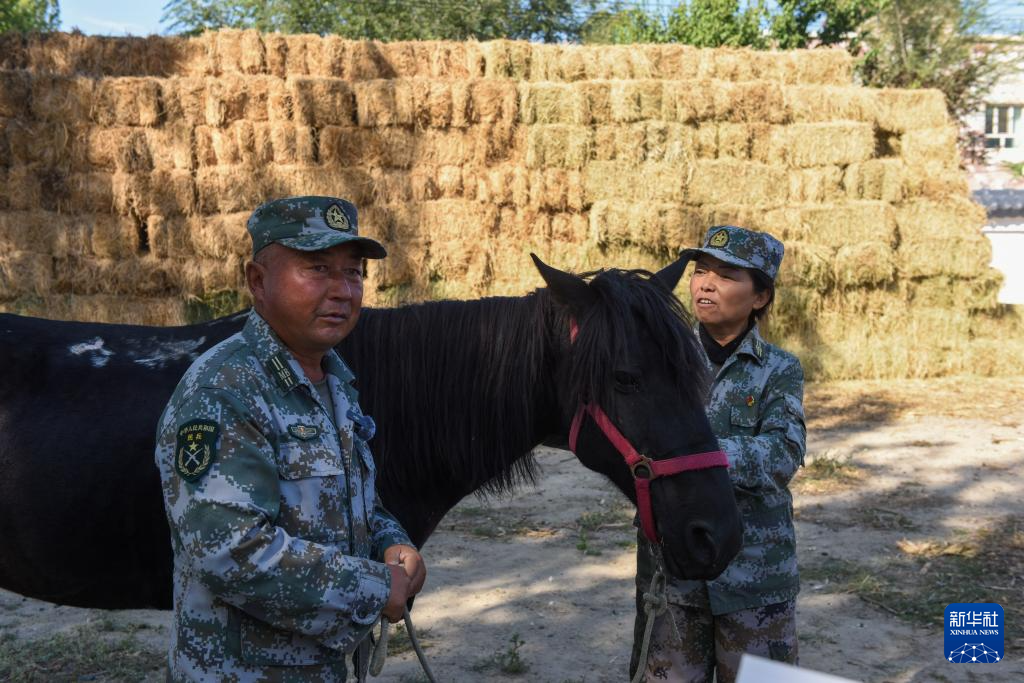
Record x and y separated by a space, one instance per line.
311 299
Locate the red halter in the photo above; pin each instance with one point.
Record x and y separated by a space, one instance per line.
643 469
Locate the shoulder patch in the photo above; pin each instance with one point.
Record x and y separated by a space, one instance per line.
281 371
196 448
303 432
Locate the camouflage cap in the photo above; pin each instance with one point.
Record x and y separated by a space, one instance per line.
741 247
309 224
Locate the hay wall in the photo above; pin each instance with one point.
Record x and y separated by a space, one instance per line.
128 166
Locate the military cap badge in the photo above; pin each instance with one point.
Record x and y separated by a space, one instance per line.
336 218
196 448
719 239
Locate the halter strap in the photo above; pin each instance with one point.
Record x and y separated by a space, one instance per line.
644 469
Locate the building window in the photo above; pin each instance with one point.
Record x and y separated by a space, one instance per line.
1004 126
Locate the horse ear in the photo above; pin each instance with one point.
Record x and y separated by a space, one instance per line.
567 289
672 273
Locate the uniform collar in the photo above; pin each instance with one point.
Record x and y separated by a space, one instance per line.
753 345
279 362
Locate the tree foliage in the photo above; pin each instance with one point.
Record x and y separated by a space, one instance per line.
26 16
932 44
546 20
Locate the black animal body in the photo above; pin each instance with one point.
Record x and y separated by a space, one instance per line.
461 393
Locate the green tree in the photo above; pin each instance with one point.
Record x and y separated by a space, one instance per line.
546 20
933 44
715 23
29 15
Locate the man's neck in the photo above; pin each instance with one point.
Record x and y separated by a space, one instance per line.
311 364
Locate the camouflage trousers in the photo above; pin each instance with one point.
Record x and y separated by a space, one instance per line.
711 645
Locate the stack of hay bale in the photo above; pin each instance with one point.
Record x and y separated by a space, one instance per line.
129 166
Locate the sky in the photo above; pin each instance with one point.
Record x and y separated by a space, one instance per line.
142 17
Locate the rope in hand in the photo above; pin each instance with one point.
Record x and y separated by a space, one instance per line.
655 604
380 650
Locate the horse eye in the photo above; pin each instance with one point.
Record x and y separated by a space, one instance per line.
626 383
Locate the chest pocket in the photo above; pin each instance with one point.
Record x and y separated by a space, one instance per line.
313 487
743 418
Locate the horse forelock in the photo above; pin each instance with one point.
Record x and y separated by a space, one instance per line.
627 300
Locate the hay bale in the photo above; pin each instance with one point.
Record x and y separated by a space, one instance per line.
755 102
927 256
15 94
663 142
636 100
979 293
90 193
806 264
558 145
649 181
220 236
835 225
623 143
170 236
24 190
816 185
163 192
384 103
865 263
804 145
291 144
91 275
322 101
184 100
109 236
493 102
233 97
833 66
506 59
934 147
67 99
880 179
725 181
28 231
953 218
235 51
825 103
127 102
160 311
660 228
25 272
901 111
933 183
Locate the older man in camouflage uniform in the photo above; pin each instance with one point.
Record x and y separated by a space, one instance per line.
283 554
756 410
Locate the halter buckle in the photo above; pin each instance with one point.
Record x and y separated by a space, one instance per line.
643 468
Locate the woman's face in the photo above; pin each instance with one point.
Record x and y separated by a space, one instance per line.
723 295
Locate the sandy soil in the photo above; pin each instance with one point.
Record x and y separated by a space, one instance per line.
925 506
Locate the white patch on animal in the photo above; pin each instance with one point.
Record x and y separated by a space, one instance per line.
98 355
165 351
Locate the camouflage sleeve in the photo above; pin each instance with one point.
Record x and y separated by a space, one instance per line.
768 459
225 521
387 531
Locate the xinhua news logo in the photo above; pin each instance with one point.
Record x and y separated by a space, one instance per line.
974 633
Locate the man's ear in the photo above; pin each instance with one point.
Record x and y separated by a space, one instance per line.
567 289
255 276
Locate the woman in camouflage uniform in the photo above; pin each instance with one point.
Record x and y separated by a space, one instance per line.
755 407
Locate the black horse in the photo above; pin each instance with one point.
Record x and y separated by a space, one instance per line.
461 391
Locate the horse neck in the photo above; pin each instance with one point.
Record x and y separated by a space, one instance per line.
461 390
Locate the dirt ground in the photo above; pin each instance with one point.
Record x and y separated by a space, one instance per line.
912 498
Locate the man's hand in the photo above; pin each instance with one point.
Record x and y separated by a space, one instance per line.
409 558
394 610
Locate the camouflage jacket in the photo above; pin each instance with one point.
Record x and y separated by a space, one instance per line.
756 410
273 514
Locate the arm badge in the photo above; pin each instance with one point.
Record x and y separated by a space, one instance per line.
195 449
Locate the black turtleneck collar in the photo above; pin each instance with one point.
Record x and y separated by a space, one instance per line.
717 353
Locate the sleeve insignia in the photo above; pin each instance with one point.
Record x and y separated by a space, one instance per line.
196 448
303 432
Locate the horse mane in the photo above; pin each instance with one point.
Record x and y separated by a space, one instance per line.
455 377
471 383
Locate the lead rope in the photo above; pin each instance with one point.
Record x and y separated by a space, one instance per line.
380 650
655 604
